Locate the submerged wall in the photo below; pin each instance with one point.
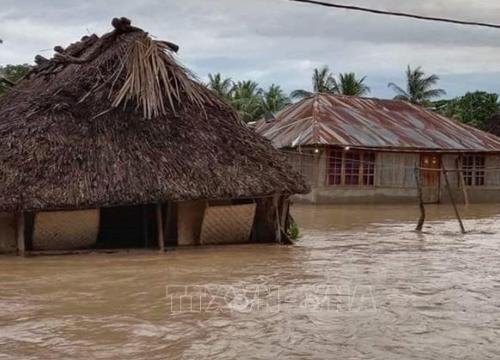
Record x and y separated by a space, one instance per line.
489 193
65 230
230 224
194 223
395 181
189 220
201 224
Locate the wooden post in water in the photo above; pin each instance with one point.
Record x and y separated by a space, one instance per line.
462 182
159 227
145 224
168 226
277 217
452 199
418 179
21 240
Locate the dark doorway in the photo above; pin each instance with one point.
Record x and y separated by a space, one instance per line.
127 227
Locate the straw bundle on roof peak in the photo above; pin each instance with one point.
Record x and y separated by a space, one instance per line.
114 120
139 70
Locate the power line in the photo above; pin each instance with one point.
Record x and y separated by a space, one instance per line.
399 14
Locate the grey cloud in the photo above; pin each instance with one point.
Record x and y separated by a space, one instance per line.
277 41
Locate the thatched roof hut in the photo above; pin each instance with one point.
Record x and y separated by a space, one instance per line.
115 120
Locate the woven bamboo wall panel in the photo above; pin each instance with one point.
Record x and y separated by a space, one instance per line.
190 217
65 230
227 224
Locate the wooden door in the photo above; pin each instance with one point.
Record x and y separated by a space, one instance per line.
431 176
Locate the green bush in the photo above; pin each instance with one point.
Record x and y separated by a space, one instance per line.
293 231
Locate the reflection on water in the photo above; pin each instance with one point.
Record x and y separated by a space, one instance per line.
359 284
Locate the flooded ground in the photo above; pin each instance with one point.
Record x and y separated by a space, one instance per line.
360 284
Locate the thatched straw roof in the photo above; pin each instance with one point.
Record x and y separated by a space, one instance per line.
115 120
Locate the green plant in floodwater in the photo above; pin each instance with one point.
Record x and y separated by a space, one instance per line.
293 231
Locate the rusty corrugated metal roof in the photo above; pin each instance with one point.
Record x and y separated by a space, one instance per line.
324 119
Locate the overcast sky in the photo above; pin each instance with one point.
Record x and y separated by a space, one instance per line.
278 41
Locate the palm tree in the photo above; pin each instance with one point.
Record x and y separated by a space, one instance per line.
246 97
323 82
349 85
419 87
274 99
221 86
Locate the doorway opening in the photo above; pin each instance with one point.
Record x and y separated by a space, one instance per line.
131 227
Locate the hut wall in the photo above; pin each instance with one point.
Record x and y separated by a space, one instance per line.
449 161
493 177
321 168
65 230
189 220
265 223
230 224
394 182
396 170
8 242
306 163
489 192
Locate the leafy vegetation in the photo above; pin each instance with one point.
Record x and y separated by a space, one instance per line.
274 99
253 102
419 87
221 86
246 97
349 85
293 231
324 81
474 108
12 74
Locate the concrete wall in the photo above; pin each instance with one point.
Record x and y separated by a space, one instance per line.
490 193
8 242
493 177
361 195
395 182
396 170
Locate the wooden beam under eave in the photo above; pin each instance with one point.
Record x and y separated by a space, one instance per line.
159 227
20 235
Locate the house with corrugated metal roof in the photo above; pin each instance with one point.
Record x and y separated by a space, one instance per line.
365 150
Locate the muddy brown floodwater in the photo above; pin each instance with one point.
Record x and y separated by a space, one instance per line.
360 284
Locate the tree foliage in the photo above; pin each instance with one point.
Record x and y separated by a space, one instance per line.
12 73
252 102
324 81
221 86
474 108
349 85
419 87
247 97
274 99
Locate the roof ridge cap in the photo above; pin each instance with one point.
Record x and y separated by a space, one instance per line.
315 121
